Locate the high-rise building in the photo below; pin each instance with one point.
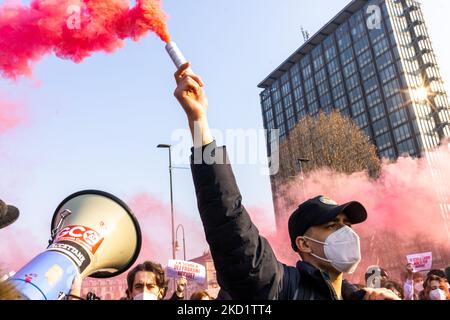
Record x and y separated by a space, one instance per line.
373 62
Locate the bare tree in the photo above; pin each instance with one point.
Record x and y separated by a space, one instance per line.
328 140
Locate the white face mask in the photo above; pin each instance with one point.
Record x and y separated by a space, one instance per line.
342 250
145 296
418 287
437 294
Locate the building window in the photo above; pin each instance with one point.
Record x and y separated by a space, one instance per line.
364 59
309 84
311 98
287 101
291 123
325 101
361 45
341 103
300 104
338 91
307 71
398 117
269 115
313 108
391 87
289 111
376 35
321 76
276 95
286 89
298 93
335 79
361 120
380 127
388 74
330 53
395 102
383 141
267 104
370 85
349 69
296 80
280 120
318 62
357 108
355 95
352 82
346 56
401 133
343 41
368 71
381 47
384 60
322 88
407 147
388 153
333 66
377 112
373 98
278 108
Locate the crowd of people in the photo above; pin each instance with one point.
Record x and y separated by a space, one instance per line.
320 233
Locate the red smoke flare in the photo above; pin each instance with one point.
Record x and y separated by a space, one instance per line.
72 29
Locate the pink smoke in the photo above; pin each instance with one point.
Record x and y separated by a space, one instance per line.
17 247
404 216
154 218
12 115
72 29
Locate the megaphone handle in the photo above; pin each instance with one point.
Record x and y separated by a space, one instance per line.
64 214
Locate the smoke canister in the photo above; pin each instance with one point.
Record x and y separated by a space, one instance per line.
176 55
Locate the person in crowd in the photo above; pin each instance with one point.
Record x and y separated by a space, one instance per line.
436 272
320 229
374 275
201 295
394 286
408 282
8 214
435 288
9 292
180 289
146 281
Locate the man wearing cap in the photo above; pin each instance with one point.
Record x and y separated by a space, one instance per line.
8 214
246 266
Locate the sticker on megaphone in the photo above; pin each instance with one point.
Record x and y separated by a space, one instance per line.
191 270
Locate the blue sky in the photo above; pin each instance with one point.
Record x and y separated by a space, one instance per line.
95 125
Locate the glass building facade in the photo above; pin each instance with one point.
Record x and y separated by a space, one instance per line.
374 63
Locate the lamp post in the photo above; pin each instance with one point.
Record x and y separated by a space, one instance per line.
302 176
169 147
177 247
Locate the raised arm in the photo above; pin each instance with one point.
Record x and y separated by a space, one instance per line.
245 263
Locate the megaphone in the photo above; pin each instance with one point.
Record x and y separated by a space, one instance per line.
93 234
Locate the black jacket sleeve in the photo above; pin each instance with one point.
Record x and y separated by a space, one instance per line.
245 263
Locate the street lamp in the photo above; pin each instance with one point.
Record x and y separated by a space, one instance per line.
177 247
302 177
169 147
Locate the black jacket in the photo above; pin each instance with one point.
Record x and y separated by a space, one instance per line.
245 263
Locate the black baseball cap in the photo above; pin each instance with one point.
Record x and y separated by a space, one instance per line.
8 214
321 210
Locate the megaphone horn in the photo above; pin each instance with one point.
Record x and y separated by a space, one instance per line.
93 234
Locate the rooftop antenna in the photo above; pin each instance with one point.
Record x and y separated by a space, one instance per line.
305 34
